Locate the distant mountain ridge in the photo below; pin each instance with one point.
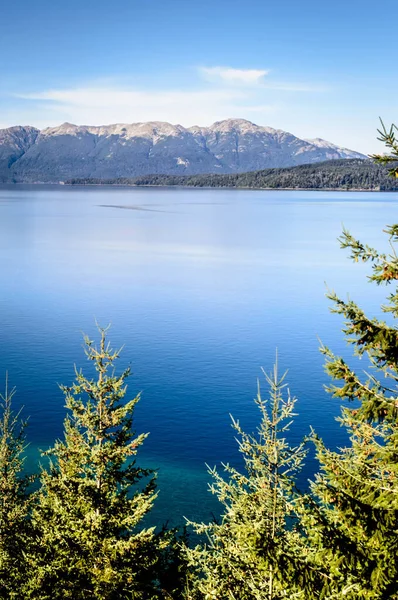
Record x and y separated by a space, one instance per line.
130 150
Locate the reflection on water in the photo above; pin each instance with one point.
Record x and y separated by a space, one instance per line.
200 286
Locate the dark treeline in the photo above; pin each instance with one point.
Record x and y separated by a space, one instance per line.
352 174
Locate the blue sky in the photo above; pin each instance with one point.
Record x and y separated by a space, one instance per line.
314 68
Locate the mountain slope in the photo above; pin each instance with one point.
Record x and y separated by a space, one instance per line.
114 151
243 146
14 143
335 151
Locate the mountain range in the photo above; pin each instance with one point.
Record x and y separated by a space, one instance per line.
130 150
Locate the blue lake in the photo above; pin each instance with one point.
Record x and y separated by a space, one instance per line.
201 287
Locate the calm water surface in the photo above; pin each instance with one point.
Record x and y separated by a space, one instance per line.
201 287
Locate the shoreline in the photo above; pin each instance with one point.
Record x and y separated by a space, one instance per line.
203 187
194 187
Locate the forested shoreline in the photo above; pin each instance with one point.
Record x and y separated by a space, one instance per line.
344 174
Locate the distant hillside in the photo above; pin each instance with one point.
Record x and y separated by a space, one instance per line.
139 149
345 174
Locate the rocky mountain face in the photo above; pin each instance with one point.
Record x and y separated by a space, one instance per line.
71 151
14 143
334 150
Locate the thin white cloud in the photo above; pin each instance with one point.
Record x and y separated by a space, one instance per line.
233 76
102 96
103 105
256 79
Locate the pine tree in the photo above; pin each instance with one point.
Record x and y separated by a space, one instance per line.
388 137
250 554
91 543
15 500
352 520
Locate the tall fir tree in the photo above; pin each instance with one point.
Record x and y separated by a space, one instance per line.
15 501
352 518
251 553
91 543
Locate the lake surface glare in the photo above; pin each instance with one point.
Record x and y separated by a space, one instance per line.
201 287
